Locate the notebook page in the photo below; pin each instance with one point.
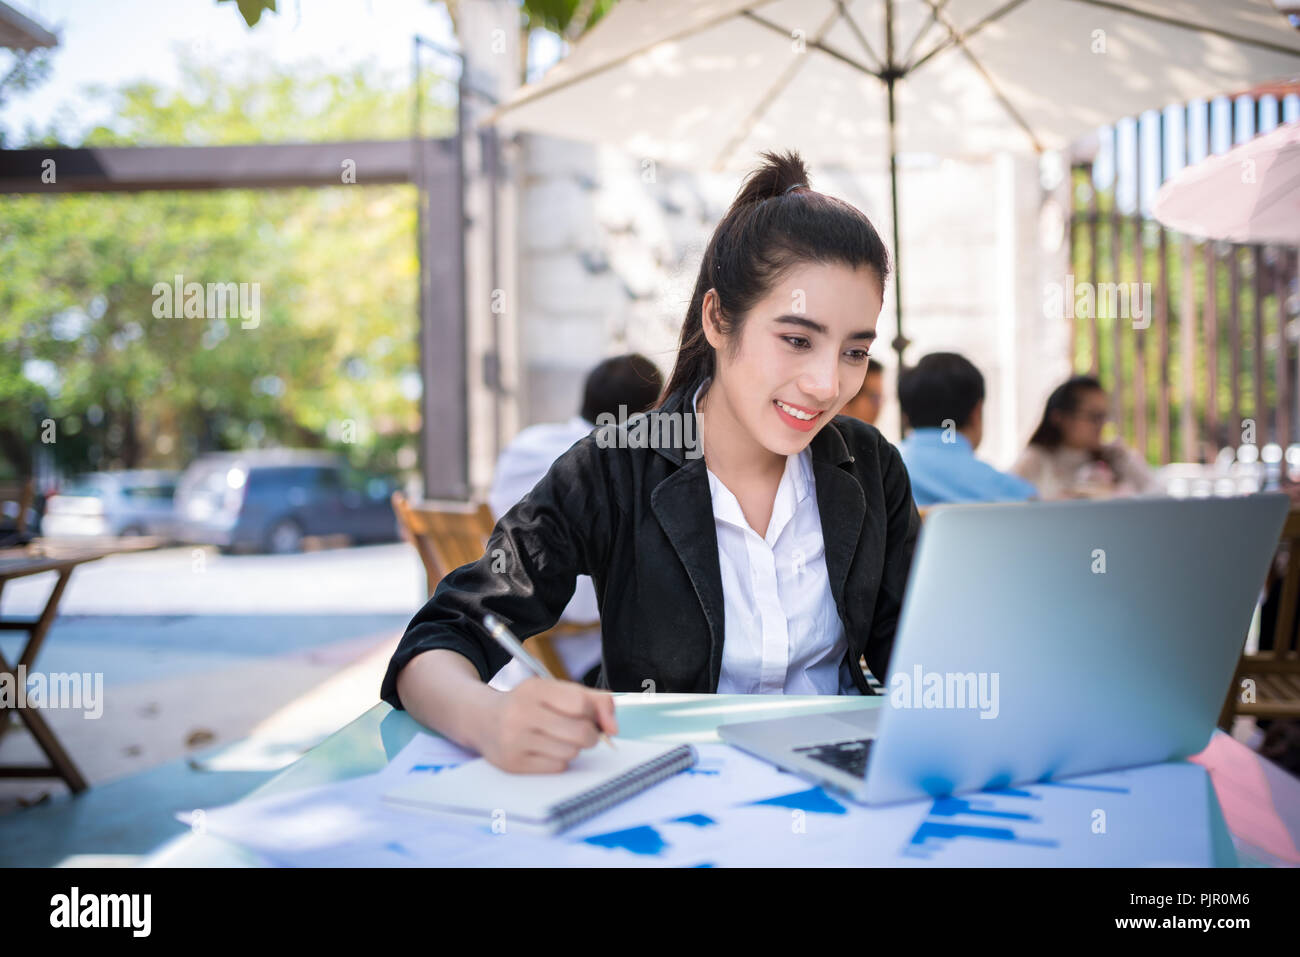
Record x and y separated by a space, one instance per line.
481 787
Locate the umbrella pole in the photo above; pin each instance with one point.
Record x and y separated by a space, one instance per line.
891 74
900 342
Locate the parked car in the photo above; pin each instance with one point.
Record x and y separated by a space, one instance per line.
133 502
270 500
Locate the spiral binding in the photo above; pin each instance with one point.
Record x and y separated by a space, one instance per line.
630 782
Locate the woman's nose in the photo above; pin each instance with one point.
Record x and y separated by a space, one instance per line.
820 381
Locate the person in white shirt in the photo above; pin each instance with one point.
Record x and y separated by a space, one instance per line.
619 386
777 604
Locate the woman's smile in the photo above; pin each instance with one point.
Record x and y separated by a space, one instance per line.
798 417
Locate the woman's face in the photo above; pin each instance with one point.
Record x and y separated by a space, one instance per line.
801 354
1081 429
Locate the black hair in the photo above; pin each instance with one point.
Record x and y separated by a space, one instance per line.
770 228
631 380
943 385
1064 399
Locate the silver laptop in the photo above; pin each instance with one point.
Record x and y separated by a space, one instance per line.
1043 640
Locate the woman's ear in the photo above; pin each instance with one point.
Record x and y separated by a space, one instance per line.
709 319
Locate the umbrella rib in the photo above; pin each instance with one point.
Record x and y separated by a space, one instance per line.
815 44
765 101
1278 193
921 34
857 32
1172 22
952 35
528 97
960 41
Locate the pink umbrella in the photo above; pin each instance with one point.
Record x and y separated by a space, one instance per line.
1250 194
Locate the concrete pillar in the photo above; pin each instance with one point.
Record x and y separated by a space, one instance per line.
488 31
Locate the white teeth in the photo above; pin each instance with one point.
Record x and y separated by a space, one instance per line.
803 416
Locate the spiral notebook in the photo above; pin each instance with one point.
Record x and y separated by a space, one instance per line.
598 778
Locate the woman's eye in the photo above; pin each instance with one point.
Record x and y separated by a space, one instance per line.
799 342
858 355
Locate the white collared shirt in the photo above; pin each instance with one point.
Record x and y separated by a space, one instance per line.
783 634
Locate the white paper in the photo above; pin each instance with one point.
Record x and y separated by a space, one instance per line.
1148 817
738 811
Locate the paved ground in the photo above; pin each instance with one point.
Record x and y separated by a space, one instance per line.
217 671
182 581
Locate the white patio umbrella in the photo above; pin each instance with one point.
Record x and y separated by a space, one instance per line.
1250 194
707 84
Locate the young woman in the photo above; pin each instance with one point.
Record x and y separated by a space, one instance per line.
1066 457
755 542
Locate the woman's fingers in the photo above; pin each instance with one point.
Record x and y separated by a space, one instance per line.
533 763
544 725
603 704
595 708
539 742
579 732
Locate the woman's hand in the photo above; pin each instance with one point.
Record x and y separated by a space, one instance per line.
541 725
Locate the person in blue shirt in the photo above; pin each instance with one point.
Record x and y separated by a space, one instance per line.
942 397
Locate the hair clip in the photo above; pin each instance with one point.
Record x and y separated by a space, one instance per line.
795 186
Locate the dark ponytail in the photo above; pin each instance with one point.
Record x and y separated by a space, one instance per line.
775 223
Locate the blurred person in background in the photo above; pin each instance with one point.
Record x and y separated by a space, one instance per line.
1066 457
630 381
866 404
943 399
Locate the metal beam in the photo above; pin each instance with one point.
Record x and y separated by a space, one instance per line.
260 166
444 404
18 32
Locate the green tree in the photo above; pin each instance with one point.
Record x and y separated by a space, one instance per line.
85 344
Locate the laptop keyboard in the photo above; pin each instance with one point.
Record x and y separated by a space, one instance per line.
847 756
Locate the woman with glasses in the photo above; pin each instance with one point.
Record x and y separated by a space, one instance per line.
1066 457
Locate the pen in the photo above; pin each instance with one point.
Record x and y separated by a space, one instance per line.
506 639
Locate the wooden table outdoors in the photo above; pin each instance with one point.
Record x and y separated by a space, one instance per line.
34 559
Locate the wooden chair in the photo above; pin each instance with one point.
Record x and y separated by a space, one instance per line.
450 534
1276 673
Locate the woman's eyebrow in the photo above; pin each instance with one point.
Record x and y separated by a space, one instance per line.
806 323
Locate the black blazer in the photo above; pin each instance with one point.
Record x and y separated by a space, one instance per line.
640 522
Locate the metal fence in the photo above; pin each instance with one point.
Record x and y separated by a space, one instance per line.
1195 340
